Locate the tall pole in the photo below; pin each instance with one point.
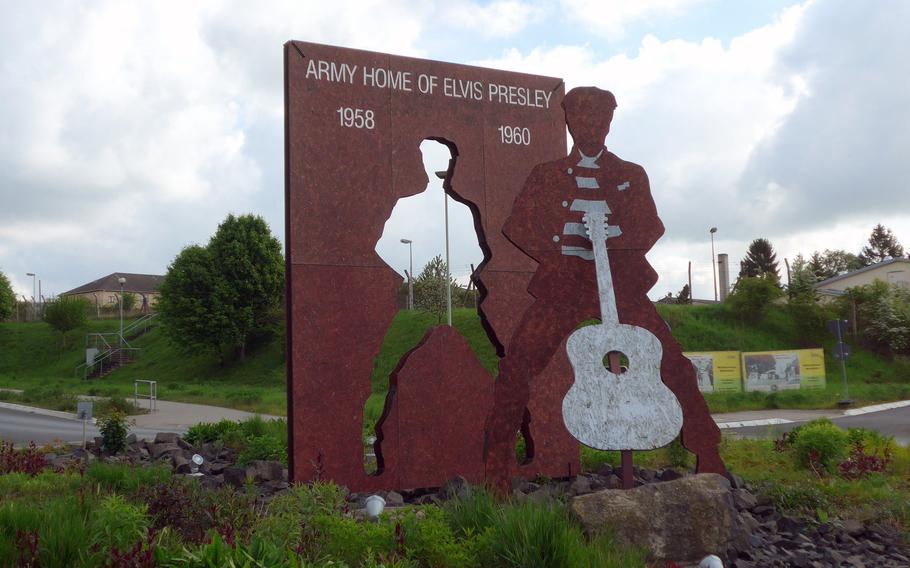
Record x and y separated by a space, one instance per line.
410 274
122 281
448 266
34 296
713 262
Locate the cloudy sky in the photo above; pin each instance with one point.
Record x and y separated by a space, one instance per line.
130 130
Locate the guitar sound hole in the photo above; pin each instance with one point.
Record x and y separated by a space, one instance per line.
614 360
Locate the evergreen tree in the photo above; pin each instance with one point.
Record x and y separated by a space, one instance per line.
684 297
430 288
7 298
882 246
802 280
760 261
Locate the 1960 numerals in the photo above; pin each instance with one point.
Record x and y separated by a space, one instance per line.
356 118
515 135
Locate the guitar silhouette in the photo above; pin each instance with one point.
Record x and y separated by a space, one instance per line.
631 410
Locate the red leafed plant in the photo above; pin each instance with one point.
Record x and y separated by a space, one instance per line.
861 464
27 460
141 555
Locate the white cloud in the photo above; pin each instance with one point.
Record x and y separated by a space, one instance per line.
501 18
611 17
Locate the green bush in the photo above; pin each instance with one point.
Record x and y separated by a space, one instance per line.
820 444
808 319
126 478
66 313
751 296
117 523
114 428
263 448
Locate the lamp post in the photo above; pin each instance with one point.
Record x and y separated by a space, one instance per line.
410 244
122 281
445 196
713 263
34 296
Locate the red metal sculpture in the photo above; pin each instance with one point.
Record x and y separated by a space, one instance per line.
546 224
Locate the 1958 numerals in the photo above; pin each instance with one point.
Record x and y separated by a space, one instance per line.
356 118
515 135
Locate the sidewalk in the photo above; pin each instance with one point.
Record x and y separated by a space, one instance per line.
181 415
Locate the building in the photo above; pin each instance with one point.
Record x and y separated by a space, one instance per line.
105 292
894 271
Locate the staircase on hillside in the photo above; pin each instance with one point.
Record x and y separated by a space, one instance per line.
106 352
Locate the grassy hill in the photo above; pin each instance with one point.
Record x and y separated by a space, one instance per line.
31 358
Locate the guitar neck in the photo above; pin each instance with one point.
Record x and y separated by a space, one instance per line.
608 313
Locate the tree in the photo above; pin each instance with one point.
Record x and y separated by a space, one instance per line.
751 296
802 280
219 296
430 288
187 305
760 261
129 301
833 262
7 298
65 314
882 246
684 297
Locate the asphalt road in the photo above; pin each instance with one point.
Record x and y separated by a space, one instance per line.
22 427
890 422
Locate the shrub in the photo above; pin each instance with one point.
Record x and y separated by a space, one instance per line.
808 319
66 313
820 445
114 428
751 296
263 448
676 455
127 478
28 460
117 404
117 524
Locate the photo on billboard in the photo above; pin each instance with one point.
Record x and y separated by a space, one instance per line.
771 371
717 371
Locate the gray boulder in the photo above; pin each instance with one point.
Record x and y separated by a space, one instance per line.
682 520
262 470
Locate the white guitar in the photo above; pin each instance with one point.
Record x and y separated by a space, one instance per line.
632 410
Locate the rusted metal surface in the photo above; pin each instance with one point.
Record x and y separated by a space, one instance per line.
432 426
565 288
344 173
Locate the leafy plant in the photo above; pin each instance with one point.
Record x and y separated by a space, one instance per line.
820 445
27 460
65 314
114 429
115 523
751 296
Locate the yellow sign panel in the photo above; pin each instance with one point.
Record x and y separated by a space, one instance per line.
782 370
718 371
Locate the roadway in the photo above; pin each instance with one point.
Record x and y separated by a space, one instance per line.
895 422
21 427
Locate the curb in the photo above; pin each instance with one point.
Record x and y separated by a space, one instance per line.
750 423
42 411
876 408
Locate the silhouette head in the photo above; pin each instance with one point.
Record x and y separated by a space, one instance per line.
589 111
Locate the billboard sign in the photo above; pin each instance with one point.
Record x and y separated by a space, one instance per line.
717 371
771 371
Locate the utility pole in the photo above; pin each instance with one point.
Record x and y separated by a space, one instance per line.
713 262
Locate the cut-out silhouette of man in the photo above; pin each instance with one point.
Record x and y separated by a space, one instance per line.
544 226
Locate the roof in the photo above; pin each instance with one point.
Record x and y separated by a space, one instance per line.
136 283
860 271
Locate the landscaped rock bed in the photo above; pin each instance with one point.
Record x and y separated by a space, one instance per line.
759 534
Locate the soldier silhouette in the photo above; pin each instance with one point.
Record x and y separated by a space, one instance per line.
543 225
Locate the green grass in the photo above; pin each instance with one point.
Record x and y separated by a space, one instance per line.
31 359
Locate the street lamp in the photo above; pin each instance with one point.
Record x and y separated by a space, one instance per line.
410 244
34 297
445 196
122 281
713 264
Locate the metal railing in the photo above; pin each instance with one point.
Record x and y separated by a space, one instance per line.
107 361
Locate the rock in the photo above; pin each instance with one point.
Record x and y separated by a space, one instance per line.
682 520
131 439
736 482
519 484
743 499
613 482
457 487
180 463
790 524
669 475
264 470
235 476
605 470
580 486
166 438
394 499
164 449
647 474
854 528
